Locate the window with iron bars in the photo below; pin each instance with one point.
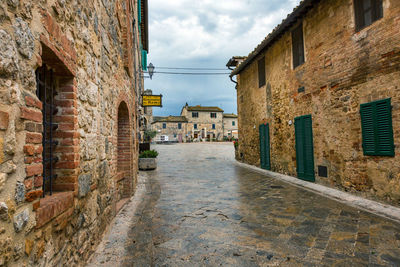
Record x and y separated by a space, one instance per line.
45 91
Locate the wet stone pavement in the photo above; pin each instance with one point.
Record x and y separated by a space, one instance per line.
201 209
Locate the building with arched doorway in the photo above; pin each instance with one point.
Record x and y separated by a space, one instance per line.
71 77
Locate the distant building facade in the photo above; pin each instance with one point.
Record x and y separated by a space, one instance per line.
170 129
204 123
319 98
230 126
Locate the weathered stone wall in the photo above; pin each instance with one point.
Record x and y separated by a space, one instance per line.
204 121
228 127
89 44
171 130
343 69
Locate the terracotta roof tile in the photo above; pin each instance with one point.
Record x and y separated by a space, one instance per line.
201 108
169 119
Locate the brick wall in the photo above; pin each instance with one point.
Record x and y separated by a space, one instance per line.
91 49
343 69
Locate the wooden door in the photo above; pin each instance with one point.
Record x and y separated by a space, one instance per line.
265 156
304 148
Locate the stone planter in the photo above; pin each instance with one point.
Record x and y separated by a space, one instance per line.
147 164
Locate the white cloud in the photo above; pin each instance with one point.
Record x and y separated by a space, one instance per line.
206 33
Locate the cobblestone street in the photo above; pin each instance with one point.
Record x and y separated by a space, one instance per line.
201 209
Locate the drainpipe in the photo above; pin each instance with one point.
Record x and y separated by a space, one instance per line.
230 77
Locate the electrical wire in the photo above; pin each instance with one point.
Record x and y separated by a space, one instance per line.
173 68
191 73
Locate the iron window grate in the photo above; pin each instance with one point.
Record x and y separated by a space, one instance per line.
45 91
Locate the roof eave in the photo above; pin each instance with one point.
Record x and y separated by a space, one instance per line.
299 11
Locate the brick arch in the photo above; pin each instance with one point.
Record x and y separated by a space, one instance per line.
124 158
123 138
123 97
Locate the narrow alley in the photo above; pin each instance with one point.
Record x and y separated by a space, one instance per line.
200 208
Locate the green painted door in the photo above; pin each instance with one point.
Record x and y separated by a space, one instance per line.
265 158
304 148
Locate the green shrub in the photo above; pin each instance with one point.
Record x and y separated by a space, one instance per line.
148 135
149 154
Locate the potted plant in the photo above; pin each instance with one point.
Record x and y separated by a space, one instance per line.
236 146
147 160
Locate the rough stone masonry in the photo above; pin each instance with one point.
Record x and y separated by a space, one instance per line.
69 82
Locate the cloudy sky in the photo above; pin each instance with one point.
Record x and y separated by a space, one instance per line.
205 34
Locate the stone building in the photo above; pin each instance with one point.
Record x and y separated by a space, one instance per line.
170 129
70 81
204 123
230 126
319 98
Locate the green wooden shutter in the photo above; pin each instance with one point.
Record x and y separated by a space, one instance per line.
299 129
139 11
267 148
377 129
144 60
304 148
368 128
384 127
265 156
308 150
262 145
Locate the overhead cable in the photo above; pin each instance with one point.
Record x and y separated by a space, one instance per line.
192 73
182 68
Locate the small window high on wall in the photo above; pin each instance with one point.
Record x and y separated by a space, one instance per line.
46 91
261 72
298 46
367 12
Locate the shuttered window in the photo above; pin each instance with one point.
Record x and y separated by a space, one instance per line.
144 60
139 11
367 12
377 130
298 46
261 72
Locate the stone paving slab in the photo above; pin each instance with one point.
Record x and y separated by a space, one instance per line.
377 208
200 208
111 250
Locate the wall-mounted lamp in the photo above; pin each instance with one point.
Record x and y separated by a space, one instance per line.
150 69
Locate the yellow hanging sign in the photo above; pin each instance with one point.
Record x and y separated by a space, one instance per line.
152 101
